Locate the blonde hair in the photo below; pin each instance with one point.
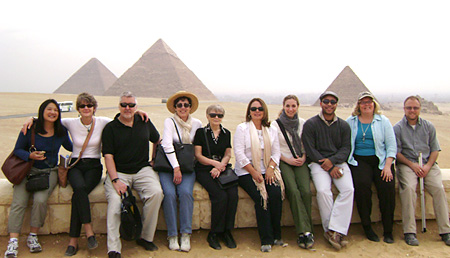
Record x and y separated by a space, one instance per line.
357 110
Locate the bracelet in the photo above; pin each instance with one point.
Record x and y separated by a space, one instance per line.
331 169
114 180
272 167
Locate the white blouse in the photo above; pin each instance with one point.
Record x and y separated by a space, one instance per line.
78 133
170 135
243 152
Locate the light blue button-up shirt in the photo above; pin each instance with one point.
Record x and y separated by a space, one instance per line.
383 137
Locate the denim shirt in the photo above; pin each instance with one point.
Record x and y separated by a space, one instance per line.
383 136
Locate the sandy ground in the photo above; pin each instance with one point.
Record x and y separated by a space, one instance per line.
248 246
247 239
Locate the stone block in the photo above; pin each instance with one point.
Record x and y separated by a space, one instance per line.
98 217
6 192
59 216
245 215
205 214
3 220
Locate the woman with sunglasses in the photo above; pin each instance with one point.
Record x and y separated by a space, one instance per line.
373 151
257 154
87 173
294 169
49 135
210 164
182 104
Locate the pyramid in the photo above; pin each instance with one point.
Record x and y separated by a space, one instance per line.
93 77
159 73
347 86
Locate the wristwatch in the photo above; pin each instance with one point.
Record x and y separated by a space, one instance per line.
114 180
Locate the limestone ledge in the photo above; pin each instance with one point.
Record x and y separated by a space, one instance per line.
59 204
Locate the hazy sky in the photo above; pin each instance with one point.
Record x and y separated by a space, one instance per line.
240 46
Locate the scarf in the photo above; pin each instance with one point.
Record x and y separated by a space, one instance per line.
185 128
291 126
256 158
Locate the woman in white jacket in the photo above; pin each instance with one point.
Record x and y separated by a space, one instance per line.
257 154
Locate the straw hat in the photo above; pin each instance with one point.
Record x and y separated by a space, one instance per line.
194 101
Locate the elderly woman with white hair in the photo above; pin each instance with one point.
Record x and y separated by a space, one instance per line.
213 152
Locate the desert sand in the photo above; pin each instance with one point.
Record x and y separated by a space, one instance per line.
27 104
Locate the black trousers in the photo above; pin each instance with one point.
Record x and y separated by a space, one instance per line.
223 202
269 221
83 178
366 173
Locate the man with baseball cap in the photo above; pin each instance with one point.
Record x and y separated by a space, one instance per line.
326 138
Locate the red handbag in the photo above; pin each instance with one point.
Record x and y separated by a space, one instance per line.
14 168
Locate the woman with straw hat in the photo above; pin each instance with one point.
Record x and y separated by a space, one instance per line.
182 104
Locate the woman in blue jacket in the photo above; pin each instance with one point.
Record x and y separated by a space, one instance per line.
371 161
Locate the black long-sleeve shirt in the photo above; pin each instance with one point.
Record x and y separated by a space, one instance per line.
322 140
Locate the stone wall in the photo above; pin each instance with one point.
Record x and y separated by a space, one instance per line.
59 203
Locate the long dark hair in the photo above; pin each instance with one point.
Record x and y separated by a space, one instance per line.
39 123
265 120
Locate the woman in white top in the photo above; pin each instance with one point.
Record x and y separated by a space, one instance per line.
257 154
294 169
182 104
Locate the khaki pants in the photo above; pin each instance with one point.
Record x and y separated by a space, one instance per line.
146 183
39 207
408 181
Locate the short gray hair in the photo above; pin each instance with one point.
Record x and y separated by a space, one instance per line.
215 107
127 94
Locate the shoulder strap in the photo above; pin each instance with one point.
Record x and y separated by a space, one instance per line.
85 143
176 128
207 143
283 131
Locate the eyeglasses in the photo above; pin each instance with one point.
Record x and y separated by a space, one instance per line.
180 105
256 108
368 102
212 115
412 108
327 101
85 105
131 105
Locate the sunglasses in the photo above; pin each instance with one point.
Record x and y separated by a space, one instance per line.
85 105
131 105
412 108
180 105
256 108
327 101
212 115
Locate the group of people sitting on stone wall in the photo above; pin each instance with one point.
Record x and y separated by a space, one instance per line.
274 160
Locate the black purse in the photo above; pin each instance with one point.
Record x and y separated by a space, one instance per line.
183 151
228 177
38 180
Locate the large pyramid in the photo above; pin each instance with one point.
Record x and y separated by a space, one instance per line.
159 73
347 86
93 77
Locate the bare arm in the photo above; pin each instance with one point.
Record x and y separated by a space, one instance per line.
112 172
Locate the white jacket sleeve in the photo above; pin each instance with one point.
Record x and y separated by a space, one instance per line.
167 142
276 154
239 146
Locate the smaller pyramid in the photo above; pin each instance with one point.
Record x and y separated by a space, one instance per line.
93 77
347 86
159 73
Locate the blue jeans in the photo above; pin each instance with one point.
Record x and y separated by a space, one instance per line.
184 193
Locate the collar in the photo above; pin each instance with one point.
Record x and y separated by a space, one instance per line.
326 122
208 127
419 121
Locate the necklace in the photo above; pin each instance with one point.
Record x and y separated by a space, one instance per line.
364 131
88 127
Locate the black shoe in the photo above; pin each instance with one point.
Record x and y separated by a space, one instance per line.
370 234
446 238
92 242
411 239
114 254
228 239
149 246
388 238
301 241
71 250
213 241
309 240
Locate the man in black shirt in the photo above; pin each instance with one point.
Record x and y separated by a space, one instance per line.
125 147
326 138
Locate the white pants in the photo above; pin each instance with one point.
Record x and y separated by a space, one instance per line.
335 214
146 183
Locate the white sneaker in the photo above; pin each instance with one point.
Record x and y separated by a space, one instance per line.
12 249
33 244
173 243
185 242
